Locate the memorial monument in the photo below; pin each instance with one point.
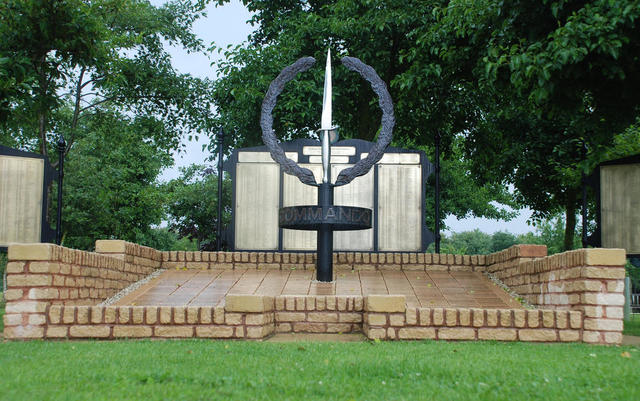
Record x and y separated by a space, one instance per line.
325 217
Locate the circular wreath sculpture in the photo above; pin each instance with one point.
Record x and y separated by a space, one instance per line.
362 166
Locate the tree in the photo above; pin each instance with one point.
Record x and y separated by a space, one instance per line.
192 205
110 186
95 54
380 33
557 75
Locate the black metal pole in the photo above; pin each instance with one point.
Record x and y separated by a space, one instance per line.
324 264
437 214
220 173
62 145
584 198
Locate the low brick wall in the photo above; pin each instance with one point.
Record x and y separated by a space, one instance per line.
587 280
53 291
387 317
306 261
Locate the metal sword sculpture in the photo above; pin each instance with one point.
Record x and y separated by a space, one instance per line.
326 217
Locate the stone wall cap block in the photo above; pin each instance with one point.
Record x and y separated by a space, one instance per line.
385 303
110 246
606 257
35 251
248 303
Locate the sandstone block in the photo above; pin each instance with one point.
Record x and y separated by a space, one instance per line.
464 315
173 331
376 334
132 331
151 314
13 294
438 317
44 293
575 319
613 338
290 316
592 337
165 315
605 257
214 331
110 314
259 331
233 319
78 331
603 324
425 316
416 333
450 333
30 252
385 303
411 316
23 332
544 335
57 332
614 299
548 318
497 334
304 327
15 267
376 319
603 272
110 246
339 328
248 303
26 307
322 317
28 280
569 335
44 267
478 317
347 317
396 319
255 319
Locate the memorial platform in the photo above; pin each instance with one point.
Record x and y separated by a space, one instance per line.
60 293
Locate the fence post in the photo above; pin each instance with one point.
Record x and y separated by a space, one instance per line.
627 298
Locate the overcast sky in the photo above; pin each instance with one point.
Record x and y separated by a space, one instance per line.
227 25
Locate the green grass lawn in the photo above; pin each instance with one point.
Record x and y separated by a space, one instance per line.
632 327
210 370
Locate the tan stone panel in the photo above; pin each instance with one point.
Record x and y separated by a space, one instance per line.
21 186
358 192
399 219
295 193
257 199
620 191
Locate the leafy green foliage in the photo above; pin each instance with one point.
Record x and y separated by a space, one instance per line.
381 34
110 188
192 205
547 232
555 75
80 55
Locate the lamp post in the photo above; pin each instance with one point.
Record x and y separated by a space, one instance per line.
62 145
437 211
220 156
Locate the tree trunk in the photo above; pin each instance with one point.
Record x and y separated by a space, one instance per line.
570 219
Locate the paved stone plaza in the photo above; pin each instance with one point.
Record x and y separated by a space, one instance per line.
421 289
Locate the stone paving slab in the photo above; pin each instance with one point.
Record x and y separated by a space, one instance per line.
421 289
